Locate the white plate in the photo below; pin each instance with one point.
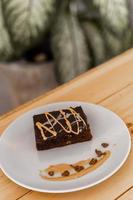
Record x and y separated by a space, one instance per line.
21 162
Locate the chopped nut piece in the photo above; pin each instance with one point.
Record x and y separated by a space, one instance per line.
51 173
105 145
98 152
65 173
93 161
78 168
68 142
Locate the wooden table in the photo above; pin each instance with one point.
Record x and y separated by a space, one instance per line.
110 85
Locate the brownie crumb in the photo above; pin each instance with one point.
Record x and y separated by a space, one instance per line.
51 173
65 173
129 124
105 145
93 161
78 168
99 153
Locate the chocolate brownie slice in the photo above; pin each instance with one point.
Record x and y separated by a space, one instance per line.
61 128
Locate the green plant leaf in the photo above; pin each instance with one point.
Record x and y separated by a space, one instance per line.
27 20
128 39
113 43
6 50
114 14
95 42
69 48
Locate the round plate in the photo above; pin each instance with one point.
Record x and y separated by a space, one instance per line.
21 162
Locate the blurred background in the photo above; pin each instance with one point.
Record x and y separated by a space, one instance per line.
44 43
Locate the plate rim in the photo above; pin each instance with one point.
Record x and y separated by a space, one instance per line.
77 188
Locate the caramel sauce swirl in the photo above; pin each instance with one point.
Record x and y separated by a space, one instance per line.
67 129
60 168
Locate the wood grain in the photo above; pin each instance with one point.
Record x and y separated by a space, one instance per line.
9 190
110 85
127 195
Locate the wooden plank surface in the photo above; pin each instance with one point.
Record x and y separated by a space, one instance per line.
128 195
112 187
110 85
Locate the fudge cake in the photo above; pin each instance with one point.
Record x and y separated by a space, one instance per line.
61 128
